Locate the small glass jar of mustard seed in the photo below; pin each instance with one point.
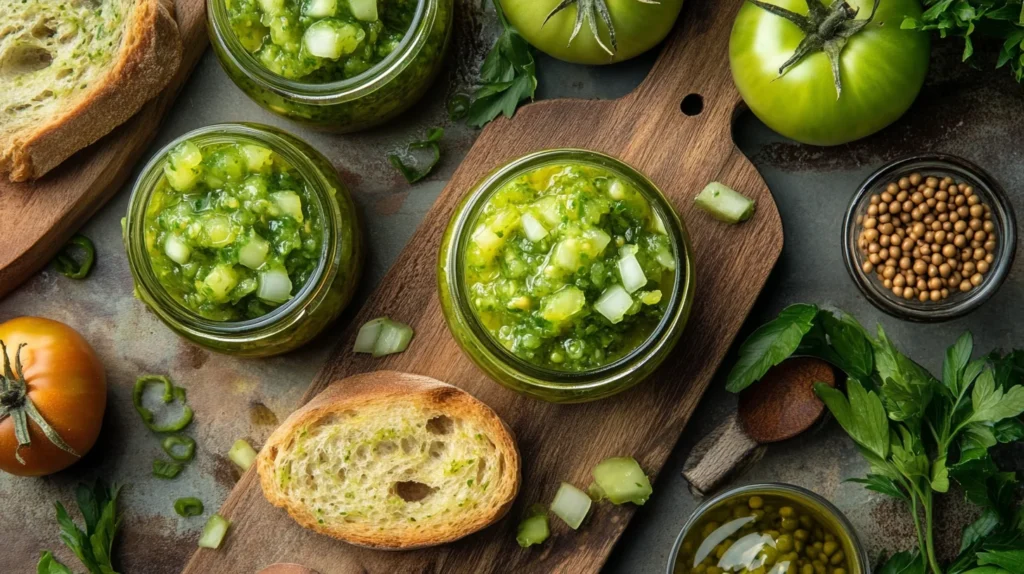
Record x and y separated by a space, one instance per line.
929 238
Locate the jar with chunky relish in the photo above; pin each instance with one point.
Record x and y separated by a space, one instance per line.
242 239
341 65
566 275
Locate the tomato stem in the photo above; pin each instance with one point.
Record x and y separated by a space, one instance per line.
588 11
826 30
16 403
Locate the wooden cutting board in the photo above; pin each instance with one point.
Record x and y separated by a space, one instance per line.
39 217
681 154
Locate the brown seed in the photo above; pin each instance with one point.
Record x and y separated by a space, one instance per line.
904 183
894 252
867 267
905 263
915 178
931 181
942 196
905 217
976 279
972 200
929 236
889 272
945 293
954 216
977 210
902 196
886 228
935 283
907 206
899 281
949 250
935 295
968 268
965 286
884 241
883 254
928 192
945 270
976 244
940 237
887 283
947 226
960 201
940 208
989 258
921 284
883 208
884 218
963 211
988 226
990 246
892 188
922 296
979 254
917 197
898 291
908 294
907 245
887 196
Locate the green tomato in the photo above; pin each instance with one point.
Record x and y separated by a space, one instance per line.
638 25
881 68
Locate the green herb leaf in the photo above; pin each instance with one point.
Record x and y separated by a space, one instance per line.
92 547
881 484
50 565
770 344
166 469
906 385
957 358
68 265
903 563
961 18
979 529
862 416
508 76
851 344
413 168
1012 560
991 404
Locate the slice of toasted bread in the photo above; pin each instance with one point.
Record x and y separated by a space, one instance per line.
392 460
74 70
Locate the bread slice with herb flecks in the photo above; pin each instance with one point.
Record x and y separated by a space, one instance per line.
392 460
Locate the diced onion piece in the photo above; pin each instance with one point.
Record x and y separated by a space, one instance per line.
724 203
622 480
533 530
598 240
366 339
718 536
534 230
564 304
616 190
176 248
658 224
394 337
275 286
242 454
549 210
365 10
214 531
320 8
631 273
332 39
567 254
219 282
571 505
254 253
289 203
256 157
614 303
665 259
487 240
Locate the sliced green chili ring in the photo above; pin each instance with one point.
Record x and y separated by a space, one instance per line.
68 265
174 443
166 469
171 393
412 173
458 107
186 507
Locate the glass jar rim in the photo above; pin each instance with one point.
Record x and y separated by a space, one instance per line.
284 315
571 380
958 304
864 561
328 93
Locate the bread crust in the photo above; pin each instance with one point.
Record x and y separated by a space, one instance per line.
149 57
381 387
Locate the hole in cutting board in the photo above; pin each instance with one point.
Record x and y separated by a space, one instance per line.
692 105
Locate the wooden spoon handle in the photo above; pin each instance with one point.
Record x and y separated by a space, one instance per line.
716 456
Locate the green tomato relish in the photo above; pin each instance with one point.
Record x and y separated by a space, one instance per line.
230 230
569 267
320 41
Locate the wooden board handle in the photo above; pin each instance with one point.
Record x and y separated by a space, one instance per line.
717 455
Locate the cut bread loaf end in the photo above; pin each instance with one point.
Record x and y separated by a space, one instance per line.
392 460
73 71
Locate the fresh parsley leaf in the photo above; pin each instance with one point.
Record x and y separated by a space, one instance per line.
976 531
1012 560
851 344
770 344
862 416
957 358
414 168
906 385
508 77
92 546
903 563
881 484
992 404
50 565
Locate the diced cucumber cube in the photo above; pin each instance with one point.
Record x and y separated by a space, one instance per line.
505 221
548 209
320 8
724 203
622 480
533 530
563 304
365 10
219 282
567 254
254 253
271 7
657 224
332 39
394 337
598 241
183 166
613 303
487 241
533 229
665 259
176 248
367 336
631 273
571 505
214 531
289 203
217 232
257 157
275 286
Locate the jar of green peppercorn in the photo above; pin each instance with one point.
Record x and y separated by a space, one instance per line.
768 529
339 65
242 239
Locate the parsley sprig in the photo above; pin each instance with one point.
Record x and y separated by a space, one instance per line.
1002 19
917 432
508 76
92 546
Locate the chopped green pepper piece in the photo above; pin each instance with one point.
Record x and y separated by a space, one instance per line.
458 107
171 393
166 469
186 507
411 173
171 446
65 260
534 528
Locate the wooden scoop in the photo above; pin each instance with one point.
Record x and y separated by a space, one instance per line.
282 568
778 407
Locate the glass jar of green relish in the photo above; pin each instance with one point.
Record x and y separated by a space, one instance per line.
566 275
340 65
242 239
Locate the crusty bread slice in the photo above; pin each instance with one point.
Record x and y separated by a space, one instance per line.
392 460
73 70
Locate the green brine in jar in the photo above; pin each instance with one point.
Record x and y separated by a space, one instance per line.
569 267
230 230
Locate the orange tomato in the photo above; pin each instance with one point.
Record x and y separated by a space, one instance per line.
65 382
